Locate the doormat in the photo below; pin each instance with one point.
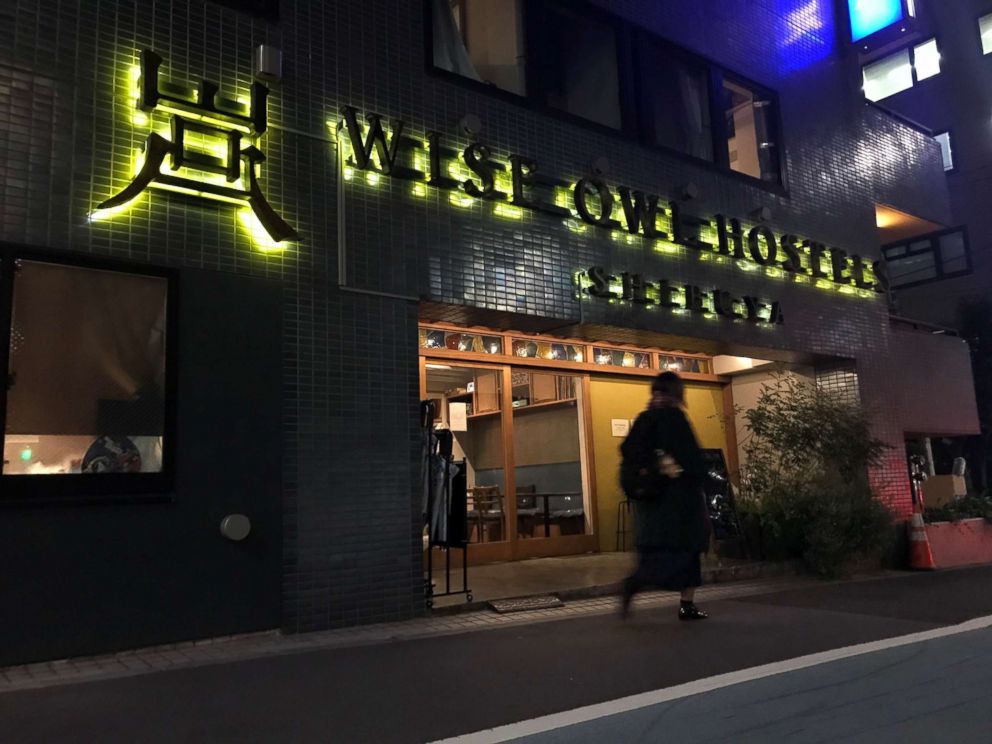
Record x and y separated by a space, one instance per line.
522 604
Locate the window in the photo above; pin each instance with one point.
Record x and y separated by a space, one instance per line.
871 16
577 59
578 70
86 371
675 105
985 27
481 40
944 140
268 9
926 60
888 76
749 129
929 258
901 71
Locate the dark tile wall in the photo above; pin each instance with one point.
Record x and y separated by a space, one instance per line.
958 100
352 543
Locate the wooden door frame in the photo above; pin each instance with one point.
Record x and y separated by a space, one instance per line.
513 548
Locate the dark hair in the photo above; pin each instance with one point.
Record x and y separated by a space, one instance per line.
670 384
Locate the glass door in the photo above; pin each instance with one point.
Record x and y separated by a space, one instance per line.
469 401
550 462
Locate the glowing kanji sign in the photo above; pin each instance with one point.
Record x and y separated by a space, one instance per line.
201 115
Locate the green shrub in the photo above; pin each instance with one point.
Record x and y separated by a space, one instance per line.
806 479
971 506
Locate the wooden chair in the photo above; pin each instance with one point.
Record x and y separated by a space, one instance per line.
485 505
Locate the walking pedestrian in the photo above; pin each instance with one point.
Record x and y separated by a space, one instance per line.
671 525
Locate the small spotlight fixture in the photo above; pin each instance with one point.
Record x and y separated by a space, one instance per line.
689 191
471 124
761 214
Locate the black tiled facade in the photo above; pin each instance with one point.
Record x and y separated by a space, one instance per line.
351 542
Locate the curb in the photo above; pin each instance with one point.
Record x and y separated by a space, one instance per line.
716 575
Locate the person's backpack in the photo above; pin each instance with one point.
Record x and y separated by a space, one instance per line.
640 469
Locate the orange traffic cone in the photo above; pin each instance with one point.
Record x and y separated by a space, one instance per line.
920 556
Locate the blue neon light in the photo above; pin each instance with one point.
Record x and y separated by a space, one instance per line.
869 16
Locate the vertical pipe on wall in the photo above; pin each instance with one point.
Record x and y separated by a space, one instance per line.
341 229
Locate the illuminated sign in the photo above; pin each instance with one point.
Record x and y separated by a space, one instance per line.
210 146
871 16
682 298
473 174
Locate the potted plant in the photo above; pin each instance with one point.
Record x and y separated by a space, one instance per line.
960 533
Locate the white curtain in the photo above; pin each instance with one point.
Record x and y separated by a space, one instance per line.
449 48
693 114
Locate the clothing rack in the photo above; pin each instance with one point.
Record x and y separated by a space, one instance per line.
445 504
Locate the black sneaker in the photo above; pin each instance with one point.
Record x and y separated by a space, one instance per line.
689 611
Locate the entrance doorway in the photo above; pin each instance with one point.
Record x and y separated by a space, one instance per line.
521 440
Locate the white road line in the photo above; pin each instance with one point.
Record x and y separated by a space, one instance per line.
643 700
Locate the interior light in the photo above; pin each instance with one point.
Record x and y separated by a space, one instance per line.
871 16
27 454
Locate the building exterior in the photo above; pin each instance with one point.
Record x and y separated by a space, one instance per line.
230 275
932 69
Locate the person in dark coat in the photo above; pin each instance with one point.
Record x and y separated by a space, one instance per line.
671 530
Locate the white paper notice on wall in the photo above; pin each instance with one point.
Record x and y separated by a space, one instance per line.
458 416
621 427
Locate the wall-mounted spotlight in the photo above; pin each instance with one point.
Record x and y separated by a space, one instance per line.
761 214
600 167
689 191
268 63
471 124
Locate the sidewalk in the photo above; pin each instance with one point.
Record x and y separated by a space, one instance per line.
578 577
258 645
442 677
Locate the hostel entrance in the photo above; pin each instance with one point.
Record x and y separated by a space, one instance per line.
541 418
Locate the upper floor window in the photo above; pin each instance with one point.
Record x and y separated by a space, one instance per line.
901 71
268 9
944 140
928 258
578 71
481 40
985 27
592 66
676 105
749 129
926 59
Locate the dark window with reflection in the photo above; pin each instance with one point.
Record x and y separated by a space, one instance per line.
578 71
675 99
580 60
929 258
268 9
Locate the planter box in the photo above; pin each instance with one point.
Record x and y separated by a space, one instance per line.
961 543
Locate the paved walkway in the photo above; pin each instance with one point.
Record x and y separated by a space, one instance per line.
257 645
576 574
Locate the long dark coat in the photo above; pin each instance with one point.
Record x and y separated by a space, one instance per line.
678 519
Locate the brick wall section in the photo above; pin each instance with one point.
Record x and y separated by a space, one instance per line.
351 543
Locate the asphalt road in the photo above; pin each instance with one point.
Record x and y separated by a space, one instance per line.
425 690
939 690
